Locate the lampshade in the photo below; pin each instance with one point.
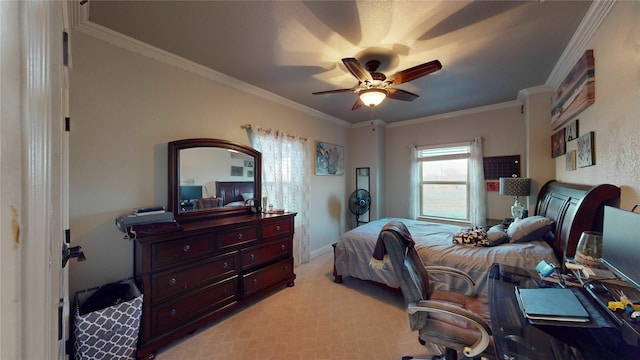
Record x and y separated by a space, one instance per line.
515 186
372 97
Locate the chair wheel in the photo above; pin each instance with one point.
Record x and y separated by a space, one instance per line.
407 357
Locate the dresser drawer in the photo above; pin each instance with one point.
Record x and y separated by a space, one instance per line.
236 237
171 316
277 228
268 276
174 281
264 254
180 250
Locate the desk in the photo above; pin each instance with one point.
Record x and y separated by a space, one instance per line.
515 338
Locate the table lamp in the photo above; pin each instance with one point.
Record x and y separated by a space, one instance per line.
515 186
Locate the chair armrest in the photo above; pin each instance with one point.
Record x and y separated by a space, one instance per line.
471 285
444 308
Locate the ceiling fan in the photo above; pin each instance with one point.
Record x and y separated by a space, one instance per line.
373 86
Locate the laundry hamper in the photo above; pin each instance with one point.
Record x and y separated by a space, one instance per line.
109 332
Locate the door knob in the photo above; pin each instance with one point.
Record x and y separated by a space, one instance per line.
72 252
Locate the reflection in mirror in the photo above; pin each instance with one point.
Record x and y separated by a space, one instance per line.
204 172
210 177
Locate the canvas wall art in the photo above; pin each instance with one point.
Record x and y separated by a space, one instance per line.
329 159
558 145
586 150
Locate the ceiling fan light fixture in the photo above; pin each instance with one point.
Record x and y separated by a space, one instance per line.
372 97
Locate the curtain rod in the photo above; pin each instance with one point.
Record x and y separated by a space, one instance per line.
248 127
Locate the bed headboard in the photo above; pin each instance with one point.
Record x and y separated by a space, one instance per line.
575 208
231 191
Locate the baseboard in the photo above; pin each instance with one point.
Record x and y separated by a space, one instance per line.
323 250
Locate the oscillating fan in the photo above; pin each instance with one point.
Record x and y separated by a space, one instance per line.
359 203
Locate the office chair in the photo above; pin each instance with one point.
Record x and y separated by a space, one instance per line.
455 321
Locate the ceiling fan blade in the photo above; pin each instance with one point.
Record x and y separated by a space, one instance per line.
399 94
357 105
332 91
414 72
357 69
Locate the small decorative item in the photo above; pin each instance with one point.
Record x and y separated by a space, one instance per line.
586 150
571 160
589 248
558 145
572 130
265 201
329 159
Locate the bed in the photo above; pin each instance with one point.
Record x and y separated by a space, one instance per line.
573 209
234 193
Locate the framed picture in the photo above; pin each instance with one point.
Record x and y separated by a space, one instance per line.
329 159
586 150
237 171
572 130
493 185
558 145
571 160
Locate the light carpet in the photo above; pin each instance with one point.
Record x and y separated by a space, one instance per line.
315 319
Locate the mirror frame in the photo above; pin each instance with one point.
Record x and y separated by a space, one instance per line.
174 177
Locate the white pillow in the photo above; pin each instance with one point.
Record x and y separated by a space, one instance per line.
529 229
247 196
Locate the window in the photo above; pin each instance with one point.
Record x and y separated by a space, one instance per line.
444 181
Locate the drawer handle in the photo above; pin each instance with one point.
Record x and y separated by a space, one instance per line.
286 267
240 236
186 248
225 265
277 227
172 282
282 247
172 313
255 281
225 291
252 257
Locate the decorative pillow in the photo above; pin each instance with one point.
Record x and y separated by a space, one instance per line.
496 235
529 229
247 196
476 236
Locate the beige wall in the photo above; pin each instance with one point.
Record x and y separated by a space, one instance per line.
501 126
125 107
615 115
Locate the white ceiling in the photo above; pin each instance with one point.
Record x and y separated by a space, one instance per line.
489 50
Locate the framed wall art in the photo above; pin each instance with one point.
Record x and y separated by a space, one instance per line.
558 145
572 130
576 92
571 160
329 159
586 150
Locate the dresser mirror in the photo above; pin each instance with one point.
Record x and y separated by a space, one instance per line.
212 178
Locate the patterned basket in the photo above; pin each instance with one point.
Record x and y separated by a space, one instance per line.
110 333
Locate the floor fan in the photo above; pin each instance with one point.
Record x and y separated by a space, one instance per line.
359 203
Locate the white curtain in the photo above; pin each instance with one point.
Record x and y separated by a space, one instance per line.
414 183
285 180
478 192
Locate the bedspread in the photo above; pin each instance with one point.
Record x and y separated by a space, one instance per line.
435 246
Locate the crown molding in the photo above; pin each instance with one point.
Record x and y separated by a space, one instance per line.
80 23
595 15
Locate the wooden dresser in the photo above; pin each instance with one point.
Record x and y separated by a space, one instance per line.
195 276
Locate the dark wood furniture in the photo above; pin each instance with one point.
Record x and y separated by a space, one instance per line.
231 191
516 338
193 277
